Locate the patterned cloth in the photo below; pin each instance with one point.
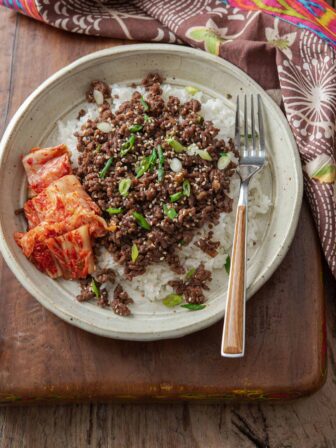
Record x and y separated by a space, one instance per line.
296 65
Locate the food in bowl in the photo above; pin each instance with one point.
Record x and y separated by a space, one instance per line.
145 206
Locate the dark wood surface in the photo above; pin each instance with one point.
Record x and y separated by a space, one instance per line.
43 358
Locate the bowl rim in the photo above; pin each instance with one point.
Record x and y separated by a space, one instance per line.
292 221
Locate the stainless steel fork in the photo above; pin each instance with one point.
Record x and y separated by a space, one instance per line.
252 159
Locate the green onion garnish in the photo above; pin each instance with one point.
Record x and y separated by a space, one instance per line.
95 288
152 158
147 119
127 146
144 104
141 220
161 163
142 168
193 306
176 196
124 186
192 90
146 164
224 160
134 252
135 128
172 300
186 188
227 264
204 155
190 273
107 166
114 211
176 145
98 147
169 211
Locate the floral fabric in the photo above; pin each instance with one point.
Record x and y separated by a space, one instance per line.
296 65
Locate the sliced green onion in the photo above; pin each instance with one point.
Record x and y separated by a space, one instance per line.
142 168
107 166
147 119
169 211
227 264
98 147
176 145
176 196
135 128
224 161
194 150
193 306
172 300
95 288
160 174
190 273
186 188
161 163
134 253
124 186
192 90
146 164
114 211
175 165
105 127
200 119
127 146
152 158
144 104
141 220
204 155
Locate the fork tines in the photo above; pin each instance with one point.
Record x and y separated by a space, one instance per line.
250 148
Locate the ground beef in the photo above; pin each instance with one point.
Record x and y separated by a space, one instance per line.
198 194
81 114
120 308
104 275
98 85
103 298
192 288
152 78
86 291
207 245
120 301
121 295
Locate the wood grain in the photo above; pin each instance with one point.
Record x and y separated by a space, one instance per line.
308 423
234 324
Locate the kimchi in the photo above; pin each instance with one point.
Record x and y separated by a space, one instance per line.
62 218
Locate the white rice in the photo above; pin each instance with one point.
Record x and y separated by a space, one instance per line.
153 284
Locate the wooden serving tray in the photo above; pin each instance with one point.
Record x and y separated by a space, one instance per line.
44 359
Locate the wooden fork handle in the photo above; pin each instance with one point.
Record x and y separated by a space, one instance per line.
234 322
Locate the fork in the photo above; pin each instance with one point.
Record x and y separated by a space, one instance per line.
252 159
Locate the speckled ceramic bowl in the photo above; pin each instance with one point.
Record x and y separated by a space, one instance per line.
60 96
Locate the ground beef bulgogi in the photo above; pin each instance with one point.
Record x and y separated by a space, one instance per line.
192 287
151 166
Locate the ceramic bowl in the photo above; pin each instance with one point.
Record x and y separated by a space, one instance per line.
61 96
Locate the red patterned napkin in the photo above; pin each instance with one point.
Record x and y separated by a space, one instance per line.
295 64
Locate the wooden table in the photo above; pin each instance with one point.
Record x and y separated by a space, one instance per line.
310 422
